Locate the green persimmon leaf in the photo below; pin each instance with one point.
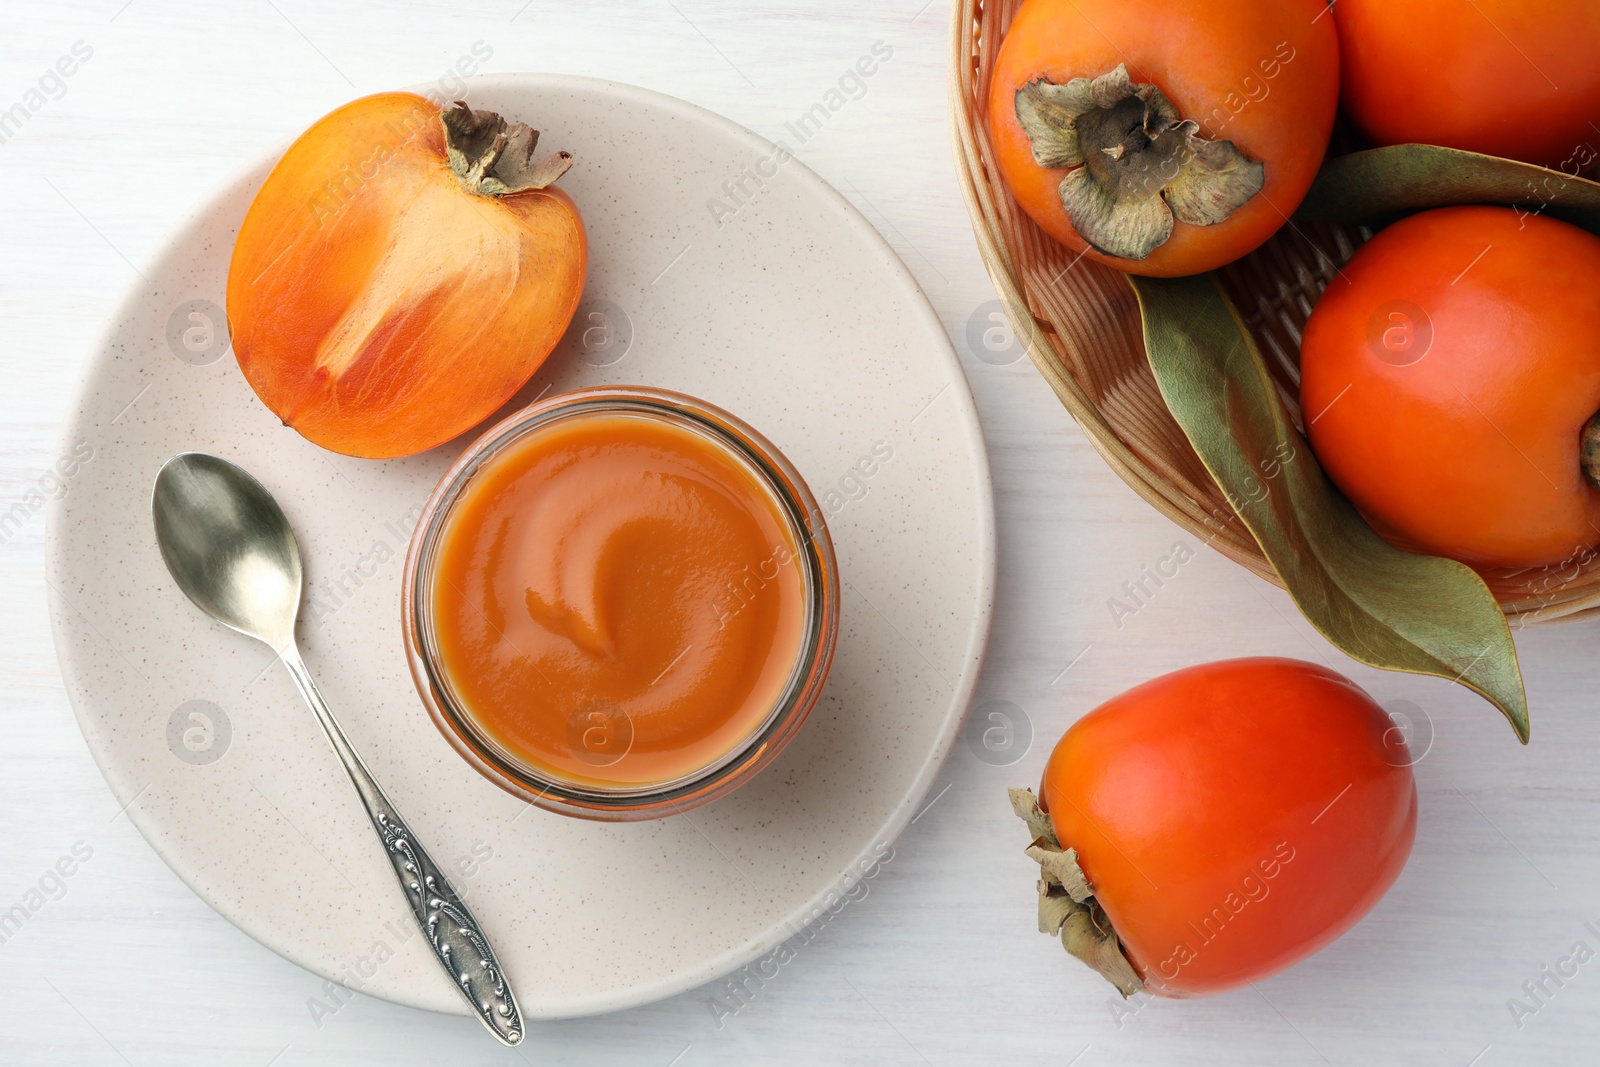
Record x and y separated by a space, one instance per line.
1381 183
1384 607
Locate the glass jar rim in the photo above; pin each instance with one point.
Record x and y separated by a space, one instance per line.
818 567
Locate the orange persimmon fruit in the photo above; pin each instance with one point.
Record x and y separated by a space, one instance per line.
1163 137
1450 379
1226 820
401 273
1508 78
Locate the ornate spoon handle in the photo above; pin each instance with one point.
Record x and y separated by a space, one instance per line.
453 933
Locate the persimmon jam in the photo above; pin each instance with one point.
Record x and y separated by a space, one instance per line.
618 600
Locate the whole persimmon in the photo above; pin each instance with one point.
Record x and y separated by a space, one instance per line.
1450 374
1163 137
1220 823
401 273
1509 78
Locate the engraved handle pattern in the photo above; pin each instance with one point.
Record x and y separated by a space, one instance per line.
457 941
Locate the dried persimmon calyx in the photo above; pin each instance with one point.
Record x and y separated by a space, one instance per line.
492 157
1137 164
1066 901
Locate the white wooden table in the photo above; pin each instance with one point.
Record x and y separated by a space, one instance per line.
938 964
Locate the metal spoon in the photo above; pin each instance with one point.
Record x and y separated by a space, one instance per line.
232 551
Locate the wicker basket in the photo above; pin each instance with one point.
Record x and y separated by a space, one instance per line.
1080 323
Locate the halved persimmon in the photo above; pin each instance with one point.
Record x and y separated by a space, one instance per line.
401 273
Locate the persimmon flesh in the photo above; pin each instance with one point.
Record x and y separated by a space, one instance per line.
401 273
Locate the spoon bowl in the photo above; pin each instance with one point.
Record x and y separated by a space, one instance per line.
228 545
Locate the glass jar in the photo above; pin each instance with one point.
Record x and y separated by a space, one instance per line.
797 510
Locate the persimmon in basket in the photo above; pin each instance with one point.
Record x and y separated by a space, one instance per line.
401 273
1450 379
1163 137
1510 78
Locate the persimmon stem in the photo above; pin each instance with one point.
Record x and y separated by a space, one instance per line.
1589 450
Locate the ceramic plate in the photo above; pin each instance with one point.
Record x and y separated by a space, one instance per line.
720 267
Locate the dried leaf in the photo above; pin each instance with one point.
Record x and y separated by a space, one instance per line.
1382 606
1062 868
1026 805
1048 114
1053 911
1099 948
1218 181
1130 227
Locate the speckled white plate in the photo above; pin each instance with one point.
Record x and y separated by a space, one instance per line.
720 267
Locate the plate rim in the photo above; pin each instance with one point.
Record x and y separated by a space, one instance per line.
980 620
